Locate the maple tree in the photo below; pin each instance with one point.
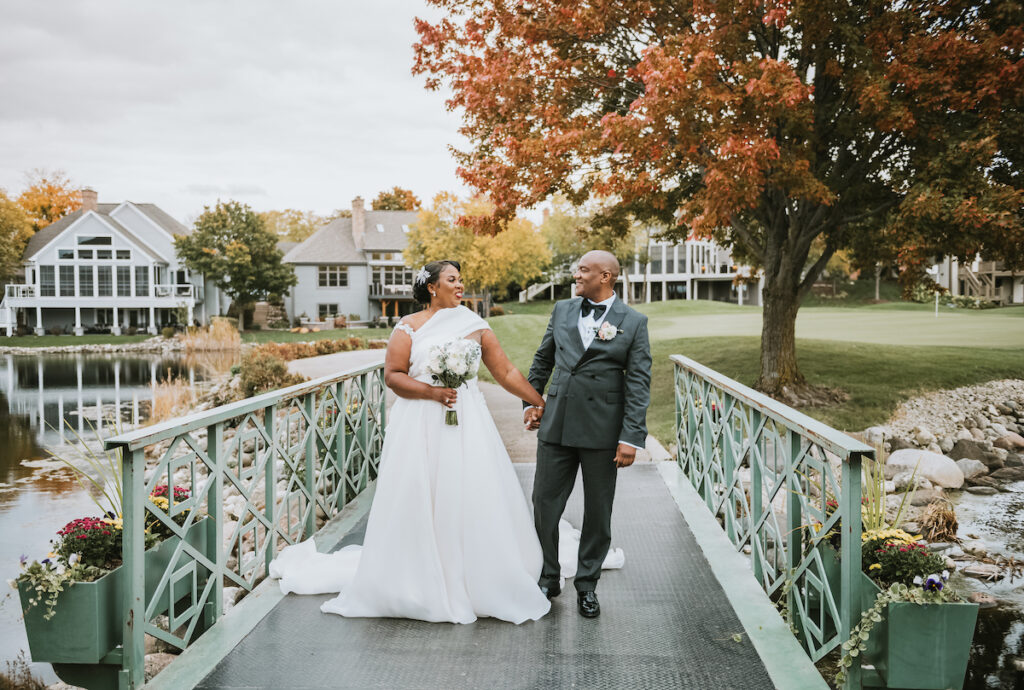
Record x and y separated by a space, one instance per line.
231 245
15 232
49 197
489 262
764 124
397 199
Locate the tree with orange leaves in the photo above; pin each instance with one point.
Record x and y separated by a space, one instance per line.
397 199
49 197
764 124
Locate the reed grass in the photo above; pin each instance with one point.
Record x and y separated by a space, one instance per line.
172 397
221 334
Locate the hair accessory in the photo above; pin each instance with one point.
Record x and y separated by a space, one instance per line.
422 276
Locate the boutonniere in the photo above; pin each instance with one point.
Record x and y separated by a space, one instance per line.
607 331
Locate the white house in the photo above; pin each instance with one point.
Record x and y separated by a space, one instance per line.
988 280
107 266
353 266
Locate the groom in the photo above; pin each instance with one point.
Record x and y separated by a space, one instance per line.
594 418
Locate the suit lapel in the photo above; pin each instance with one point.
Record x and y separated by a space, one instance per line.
616 314
572 320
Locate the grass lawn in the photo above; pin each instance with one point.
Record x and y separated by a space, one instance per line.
880 354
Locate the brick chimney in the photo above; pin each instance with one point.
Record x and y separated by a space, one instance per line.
358 222
89 197
545 214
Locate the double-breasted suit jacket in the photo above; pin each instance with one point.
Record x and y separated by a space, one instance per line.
599 395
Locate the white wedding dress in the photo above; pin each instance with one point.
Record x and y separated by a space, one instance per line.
450 535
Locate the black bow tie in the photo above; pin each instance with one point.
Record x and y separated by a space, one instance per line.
589 306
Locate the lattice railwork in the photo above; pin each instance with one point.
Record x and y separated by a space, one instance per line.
782 485
243 480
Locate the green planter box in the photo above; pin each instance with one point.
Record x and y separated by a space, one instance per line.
914 646
88 619
923 647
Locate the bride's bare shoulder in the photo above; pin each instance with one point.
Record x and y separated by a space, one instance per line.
414 320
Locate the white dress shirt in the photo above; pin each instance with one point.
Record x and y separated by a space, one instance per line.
588 326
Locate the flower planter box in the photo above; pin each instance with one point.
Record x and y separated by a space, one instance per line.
88 620
923 646
914 646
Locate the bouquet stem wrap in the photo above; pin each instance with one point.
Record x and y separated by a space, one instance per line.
451 365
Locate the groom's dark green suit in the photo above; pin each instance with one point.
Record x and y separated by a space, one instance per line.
598 398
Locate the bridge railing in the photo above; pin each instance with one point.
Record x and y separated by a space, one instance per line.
783 486
242 481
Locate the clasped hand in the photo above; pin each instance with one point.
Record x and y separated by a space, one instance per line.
445 396
532 417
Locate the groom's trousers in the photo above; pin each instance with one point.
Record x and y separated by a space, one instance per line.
555 476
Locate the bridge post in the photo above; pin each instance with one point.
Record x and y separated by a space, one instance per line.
756 499
794 520
850 557
340 440
133 548
270 483
215 507
309 404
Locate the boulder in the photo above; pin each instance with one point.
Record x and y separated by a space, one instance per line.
984 600
966 448
977 434
938 469
972 468
876 435
1012 474
1014 460
982 571
924 497
923 435
962 435
1004 409
902 481
896 443
946 444
985 480
982 490
1010 441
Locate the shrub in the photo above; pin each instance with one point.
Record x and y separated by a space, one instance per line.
56 330
497 310
354 317
280 323
168 332
22 330
131 330
263 371
256 327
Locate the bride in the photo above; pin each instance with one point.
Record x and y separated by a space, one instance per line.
450 536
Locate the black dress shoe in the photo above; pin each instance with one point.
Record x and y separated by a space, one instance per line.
551 591
588 605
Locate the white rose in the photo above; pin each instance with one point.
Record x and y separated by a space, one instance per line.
459 366
607 331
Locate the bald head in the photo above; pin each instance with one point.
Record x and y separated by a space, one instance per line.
595 276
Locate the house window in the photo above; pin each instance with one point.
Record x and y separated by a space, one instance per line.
142 281
124 281
392 275
655 255
326 311
64 254
47 282
85 281
104 254
333 276
84 253
104 280
86 239
67 281
124 254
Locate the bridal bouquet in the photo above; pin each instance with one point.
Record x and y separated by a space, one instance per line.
451 365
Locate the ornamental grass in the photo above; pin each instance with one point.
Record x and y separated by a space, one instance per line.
221 334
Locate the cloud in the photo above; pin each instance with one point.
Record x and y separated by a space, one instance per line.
303 105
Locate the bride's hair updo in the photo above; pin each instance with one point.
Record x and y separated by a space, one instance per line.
429 275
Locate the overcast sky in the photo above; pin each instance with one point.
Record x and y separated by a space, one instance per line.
280 105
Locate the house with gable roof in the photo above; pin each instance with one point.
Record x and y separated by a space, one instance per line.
107 266
353 266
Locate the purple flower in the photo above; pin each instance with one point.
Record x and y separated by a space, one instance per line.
933 583
23 559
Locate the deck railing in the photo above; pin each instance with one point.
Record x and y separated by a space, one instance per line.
260 474
779 483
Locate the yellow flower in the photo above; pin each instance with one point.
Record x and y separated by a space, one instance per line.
875 566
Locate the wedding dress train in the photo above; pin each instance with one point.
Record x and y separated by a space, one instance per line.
450 534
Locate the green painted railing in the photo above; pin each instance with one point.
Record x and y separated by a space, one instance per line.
260 474
779 483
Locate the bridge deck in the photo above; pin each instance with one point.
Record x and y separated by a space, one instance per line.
665 622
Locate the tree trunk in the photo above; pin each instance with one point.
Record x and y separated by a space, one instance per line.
778 338
878 275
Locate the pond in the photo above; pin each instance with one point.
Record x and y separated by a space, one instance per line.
45 402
